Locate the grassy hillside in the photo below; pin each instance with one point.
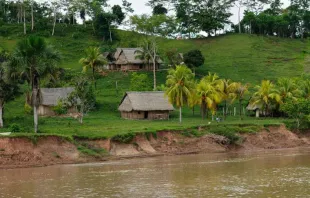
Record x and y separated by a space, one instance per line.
246 58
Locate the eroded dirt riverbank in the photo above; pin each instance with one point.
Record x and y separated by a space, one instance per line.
51 150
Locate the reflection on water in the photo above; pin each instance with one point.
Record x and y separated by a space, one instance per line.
272 174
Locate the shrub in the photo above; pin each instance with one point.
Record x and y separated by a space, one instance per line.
15 128
194 58
299 111
27 109
228 132
140 82
124 138
60 108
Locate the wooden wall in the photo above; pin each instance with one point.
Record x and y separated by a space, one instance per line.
132 67
149 115
48 111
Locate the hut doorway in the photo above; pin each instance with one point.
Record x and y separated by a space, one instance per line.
146 115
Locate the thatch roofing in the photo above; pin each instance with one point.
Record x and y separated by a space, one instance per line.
51 96
254 107
145 101
125 56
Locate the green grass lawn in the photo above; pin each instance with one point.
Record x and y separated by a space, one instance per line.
245 58
106 122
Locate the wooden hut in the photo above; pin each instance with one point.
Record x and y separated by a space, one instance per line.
257 108
50 98
125 59
145 106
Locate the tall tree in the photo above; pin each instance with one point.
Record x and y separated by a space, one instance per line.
93 59
240 92
9 88
209 96
288 89
149 51
266 95
227 88
35 58
83 97
180 86
159 9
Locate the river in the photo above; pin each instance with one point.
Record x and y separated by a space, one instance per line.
268 174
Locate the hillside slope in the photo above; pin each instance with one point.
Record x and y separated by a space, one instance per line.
242 57
246 58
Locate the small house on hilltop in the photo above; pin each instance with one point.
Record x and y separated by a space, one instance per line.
145 105
50 98
125 59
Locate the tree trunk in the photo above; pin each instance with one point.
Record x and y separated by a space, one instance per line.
240 109
250 27
35 119
239 19
24 10
34 105
111 40
94 78
1 115
203 109
154 68
225 109
32 17
180 108
54 24
92 23
81 118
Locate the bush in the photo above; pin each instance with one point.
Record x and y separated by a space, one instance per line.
299 111
15 128
140 82
229 132
60 108
125 138
27 109
194 58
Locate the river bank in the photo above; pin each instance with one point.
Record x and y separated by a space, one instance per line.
51 150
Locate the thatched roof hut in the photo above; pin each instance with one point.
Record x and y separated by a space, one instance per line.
125 59
145 105
50 98
257 108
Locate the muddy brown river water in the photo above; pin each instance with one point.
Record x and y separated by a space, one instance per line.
284 173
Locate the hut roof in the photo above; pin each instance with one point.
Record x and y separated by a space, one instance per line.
128 55
254 107
145 101
51 96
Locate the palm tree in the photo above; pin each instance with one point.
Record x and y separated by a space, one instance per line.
194 99
35 58
239 94
209 96
227 88
305 88
93 60
143 53
266 95
214 79
288 89
180 86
